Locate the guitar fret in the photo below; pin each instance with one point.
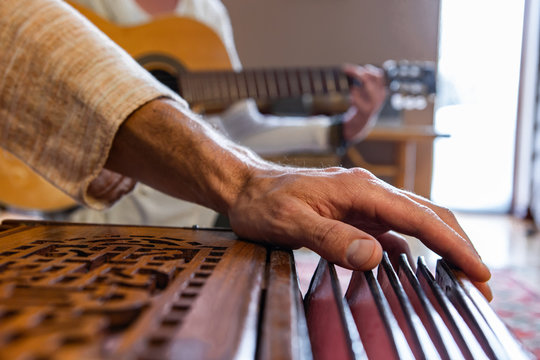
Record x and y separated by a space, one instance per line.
225 91
294 83
220 88
186 94
216 91
317 82
305 82
342 81
271 83
283 86
322 71
251 84
241 84
212 78
198 89
186 87
223 86
230 78
190 87
193 83
260 81
329 80
208 86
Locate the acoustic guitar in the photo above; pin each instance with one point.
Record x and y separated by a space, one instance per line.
182 61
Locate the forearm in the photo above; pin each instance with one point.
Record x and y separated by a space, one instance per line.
173 151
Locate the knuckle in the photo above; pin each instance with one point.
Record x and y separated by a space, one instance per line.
363 173
441 211
428 211
446 213
333 169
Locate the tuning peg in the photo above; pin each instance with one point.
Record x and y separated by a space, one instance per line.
401 102
403 70
415 71
420 102
391 69
415 88
394 86
396 100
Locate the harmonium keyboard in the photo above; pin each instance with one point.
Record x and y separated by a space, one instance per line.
74 291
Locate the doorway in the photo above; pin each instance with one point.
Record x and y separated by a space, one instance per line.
479 65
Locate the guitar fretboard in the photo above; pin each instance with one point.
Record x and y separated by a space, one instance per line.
228 86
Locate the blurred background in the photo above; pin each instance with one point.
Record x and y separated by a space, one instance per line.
477 46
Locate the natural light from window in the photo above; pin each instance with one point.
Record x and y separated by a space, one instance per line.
480 49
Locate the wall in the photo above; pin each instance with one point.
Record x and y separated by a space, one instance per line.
329 32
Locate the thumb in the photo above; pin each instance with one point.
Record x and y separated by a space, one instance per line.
343 244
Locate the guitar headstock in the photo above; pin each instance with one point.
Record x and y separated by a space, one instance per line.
411 83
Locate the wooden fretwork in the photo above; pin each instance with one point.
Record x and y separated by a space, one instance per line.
84 291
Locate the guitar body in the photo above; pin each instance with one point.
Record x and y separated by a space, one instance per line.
185 41
171 44
23 189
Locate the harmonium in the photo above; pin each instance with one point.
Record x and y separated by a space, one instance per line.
75 291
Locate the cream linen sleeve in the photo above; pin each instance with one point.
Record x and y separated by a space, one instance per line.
65 88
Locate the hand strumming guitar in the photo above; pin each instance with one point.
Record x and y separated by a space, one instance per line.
366 101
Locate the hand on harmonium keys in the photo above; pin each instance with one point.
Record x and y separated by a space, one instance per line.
345 215
395 245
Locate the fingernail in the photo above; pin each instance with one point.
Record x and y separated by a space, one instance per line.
488 293
359 252
486 271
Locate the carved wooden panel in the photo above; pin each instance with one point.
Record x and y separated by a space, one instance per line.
80 291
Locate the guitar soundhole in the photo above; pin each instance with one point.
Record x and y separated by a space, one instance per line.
163 68
166 79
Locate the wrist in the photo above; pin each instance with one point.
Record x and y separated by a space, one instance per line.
357 125
337 137
168 148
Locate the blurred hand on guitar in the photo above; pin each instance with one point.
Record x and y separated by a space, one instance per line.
366 100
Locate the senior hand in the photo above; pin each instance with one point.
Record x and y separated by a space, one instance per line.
366 101
343 214
340 214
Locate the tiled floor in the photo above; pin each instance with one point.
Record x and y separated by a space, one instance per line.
506 242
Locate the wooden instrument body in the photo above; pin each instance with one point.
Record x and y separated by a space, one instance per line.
131 292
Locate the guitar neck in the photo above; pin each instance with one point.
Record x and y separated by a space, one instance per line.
262 85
